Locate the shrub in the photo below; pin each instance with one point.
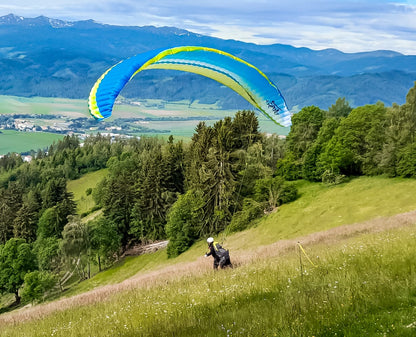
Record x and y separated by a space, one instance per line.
242 219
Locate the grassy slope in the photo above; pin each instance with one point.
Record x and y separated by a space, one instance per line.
260 298
79 187
318 208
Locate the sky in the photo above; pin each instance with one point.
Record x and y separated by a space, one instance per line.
347 25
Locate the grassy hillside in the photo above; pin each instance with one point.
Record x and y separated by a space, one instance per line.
321 207
79 187
339 297
275 291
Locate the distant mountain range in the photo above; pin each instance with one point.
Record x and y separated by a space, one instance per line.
53 58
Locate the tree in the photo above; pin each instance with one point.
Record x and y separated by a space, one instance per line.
304 130
254 165
53 192
250 211
153 197
218 181
173 170
356 145
406 164
245 129
341 108
118 194
183 224
105 240
311 168
10 203
76 245
25 222
275 191
400 134
16 260
36 284
48 254
198 151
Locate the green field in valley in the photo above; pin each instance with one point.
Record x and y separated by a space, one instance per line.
43 106
166 118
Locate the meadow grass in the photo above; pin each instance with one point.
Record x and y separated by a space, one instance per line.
318 208
364 283
365 286
79 187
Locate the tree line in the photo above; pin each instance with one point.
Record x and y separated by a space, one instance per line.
227 176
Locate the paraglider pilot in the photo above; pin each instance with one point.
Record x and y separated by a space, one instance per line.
220 255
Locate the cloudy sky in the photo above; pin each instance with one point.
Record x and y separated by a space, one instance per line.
348 25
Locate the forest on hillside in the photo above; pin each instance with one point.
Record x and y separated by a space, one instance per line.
225 178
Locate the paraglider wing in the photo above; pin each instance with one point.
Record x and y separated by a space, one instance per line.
237 74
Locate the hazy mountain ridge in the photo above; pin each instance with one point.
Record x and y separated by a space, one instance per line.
47 57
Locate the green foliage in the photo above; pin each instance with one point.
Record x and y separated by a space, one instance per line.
183 225
257 165
76 245
118 194
242 219
26 221
105 240
304 130
341 108
48 254
245 129
289 168
153 196
275 191
36 284
331 178
16 260
406 162
48 224
357 142
312 169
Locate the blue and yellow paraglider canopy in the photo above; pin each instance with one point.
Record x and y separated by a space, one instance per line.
237 74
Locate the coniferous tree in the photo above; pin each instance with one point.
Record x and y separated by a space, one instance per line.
218 181
198 151
25 222
10 203
118 194
173 170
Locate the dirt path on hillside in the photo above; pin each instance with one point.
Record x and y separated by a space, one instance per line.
166 274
